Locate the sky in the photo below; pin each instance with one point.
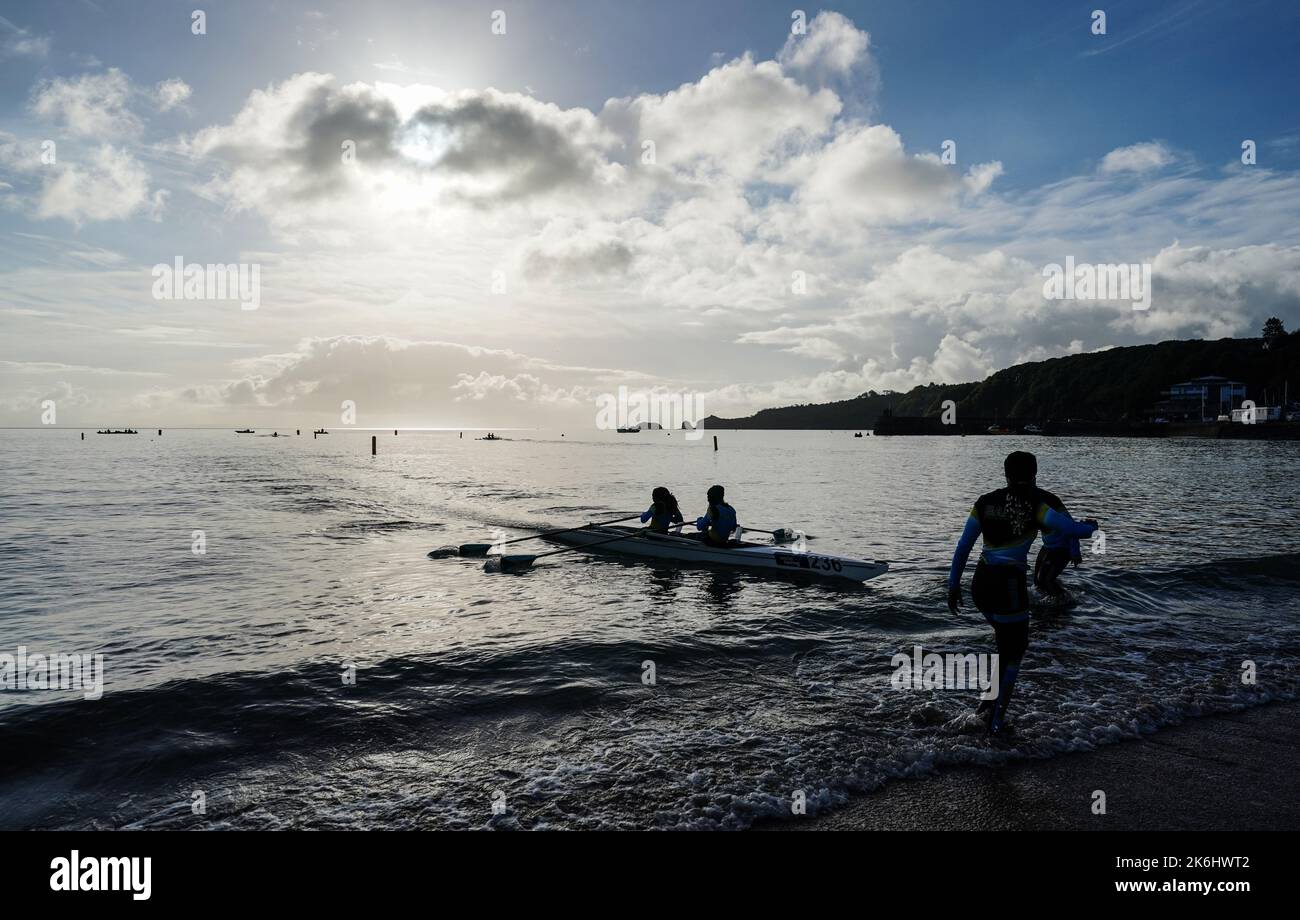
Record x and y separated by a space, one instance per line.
497 214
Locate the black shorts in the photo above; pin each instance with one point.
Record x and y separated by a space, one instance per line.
1001 592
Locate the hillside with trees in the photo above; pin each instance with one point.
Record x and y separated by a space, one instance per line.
1113 385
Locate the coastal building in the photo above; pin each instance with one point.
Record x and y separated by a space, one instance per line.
1200 399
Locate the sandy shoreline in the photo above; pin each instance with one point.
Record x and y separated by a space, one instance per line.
1221 772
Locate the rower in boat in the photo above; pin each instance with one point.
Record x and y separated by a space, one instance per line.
663 511
719 522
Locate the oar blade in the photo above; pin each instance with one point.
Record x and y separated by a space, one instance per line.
474 550
509 564
445 552
789 535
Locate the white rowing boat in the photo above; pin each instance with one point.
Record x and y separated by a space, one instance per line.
763 556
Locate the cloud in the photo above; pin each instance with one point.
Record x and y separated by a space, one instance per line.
910 270
16 42
171 93
865 175
1137 158
569 251
501 147
738 118
90 105
24 403
419 146
444 382
929 317
110 185
832 46
17 155
54 367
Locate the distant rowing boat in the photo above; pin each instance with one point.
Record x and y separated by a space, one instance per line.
244 431
491 437
118 431
759 556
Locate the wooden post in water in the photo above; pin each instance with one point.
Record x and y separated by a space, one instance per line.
394 432
374 445
715 442
160 432
299 430
83 436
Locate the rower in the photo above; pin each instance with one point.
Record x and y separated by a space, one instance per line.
663 511
719 522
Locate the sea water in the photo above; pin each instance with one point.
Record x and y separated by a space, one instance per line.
279 652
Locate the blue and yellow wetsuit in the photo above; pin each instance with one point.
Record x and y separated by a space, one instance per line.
661 516
718 524
1008 519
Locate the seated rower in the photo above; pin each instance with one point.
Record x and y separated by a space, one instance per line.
719 522
663 512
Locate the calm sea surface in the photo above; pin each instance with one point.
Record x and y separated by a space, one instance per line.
223 671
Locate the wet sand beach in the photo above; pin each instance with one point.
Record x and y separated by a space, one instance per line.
1222 772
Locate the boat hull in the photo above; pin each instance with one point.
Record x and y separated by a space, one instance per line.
749 556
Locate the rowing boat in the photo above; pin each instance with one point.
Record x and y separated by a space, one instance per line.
764 556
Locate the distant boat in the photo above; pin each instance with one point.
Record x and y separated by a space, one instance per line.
118 431
999 429
633 430
1032 429
491 437
858 434
320 431
244 431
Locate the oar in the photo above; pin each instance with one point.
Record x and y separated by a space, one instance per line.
481 549
781 535
523 563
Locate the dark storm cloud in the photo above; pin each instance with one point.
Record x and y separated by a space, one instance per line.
482 147
519 152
